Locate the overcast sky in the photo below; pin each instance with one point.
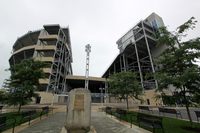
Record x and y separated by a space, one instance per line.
97 22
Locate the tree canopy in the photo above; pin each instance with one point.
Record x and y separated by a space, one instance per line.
178 63
124 85
3 96
24 81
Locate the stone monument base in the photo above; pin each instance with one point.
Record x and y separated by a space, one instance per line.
91 130
78 110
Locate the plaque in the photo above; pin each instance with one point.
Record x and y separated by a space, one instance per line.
79 102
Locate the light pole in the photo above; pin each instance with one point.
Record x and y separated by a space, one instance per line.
87 50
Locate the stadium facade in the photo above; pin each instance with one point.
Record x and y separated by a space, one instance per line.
137 53
50 45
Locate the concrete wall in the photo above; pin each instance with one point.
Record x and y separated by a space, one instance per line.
148 95
47 97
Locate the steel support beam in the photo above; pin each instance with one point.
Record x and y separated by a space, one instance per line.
148 49
138 61
149 52
57 81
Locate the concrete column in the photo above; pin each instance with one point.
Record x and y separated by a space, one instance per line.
114 68
14 60
127 65
106 92
24 55
124 62
120 63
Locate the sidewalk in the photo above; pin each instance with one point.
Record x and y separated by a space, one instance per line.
52 124
105 124
101 122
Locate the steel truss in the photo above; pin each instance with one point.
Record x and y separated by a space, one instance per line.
61 64
137 56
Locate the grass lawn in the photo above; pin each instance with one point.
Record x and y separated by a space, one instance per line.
171 125
11 117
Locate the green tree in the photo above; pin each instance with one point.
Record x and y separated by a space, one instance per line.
196 98
24 81
3 96
124 85
178 63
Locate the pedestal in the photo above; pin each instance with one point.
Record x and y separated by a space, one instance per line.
78 111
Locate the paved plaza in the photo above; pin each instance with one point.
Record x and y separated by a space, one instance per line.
52 124
100 121
105 124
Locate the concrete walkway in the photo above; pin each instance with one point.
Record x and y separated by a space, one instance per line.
100 121
105 124
52 124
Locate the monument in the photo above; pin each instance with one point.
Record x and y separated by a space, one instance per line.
78 111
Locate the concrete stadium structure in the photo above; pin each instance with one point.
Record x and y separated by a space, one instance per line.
50 45
137 51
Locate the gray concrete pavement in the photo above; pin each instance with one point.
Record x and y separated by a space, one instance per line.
99 120
105 124
52 124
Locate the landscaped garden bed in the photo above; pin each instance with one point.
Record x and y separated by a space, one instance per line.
170 125
13 119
